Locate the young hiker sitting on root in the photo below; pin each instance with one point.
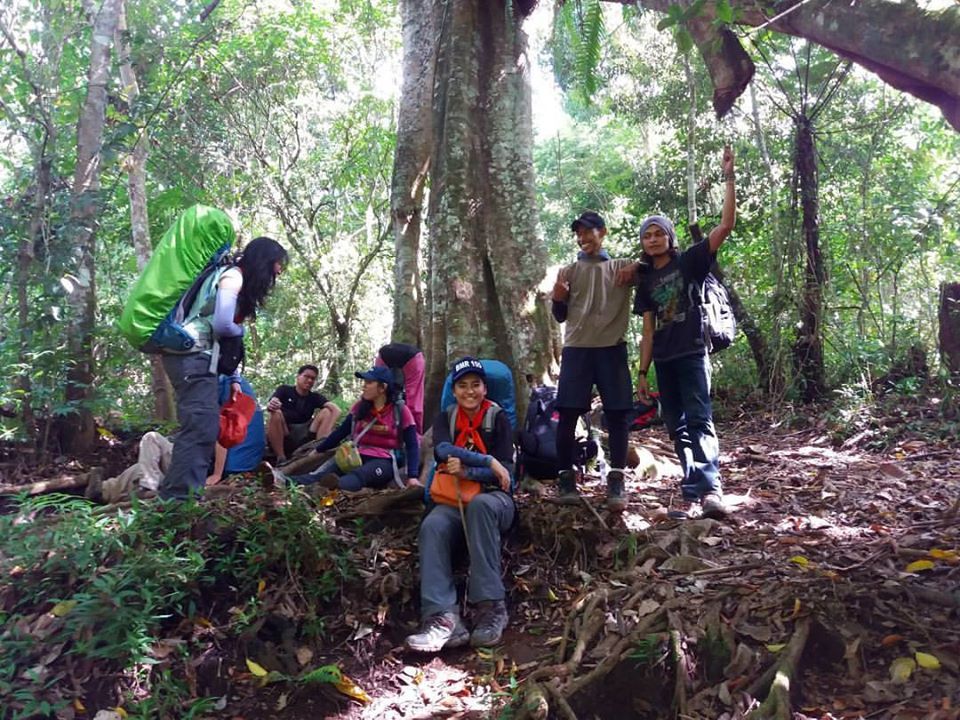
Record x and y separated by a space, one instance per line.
373 426
474 444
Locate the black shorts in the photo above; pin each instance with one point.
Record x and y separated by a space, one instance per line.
606 367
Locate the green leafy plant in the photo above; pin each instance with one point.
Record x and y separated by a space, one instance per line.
651 650
105 586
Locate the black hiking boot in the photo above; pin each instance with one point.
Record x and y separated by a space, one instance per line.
567 493
492 620
616 492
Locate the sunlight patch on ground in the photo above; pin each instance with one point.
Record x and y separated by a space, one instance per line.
430 686
831 526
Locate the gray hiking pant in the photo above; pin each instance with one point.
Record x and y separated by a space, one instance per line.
489 515
147 473
199 414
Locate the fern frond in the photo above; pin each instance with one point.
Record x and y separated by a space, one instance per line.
587 59
578 35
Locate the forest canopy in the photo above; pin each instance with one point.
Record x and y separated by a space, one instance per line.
286 115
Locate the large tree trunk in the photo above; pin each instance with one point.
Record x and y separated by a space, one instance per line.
163 405
949 320
908 46
486 260
25 256
79 431
808 349
691 144
411 166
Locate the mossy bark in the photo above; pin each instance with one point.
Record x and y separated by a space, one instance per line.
808 349
485 258
911 47
949 321
411 166
79 429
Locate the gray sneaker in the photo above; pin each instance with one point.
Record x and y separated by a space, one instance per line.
713 507
443 630
616 494
492 620
567 493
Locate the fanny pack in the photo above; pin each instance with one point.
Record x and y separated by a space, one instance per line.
347 456
449 489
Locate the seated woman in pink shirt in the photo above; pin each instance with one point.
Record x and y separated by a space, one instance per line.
372 425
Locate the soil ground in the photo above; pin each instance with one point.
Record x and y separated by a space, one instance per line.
839 567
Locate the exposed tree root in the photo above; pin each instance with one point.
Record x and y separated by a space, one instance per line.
651 623
560 702
779 678
535 705
407 501
680 689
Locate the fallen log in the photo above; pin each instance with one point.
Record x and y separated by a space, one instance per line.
44 486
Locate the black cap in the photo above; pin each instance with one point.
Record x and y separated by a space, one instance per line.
467 366
588 219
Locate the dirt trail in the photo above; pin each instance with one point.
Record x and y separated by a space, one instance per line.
837 566
833 591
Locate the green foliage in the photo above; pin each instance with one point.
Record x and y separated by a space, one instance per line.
714 652
306 159
577 43
651 650
889 229
626 551
106 586
169 698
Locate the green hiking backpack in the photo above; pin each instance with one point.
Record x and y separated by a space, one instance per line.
183 267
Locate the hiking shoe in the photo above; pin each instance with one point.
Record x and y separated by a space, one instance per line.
443 630
94 489
492 620
567 488
713 507
616 494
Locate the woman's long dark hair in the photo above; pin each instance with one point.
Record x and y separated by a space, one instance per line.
257 264
365 407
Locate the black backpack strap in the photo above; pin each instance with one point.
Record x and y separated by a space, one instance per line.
489 419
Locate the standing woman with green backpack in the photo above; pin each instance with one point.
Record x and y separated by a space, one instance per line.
234 296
